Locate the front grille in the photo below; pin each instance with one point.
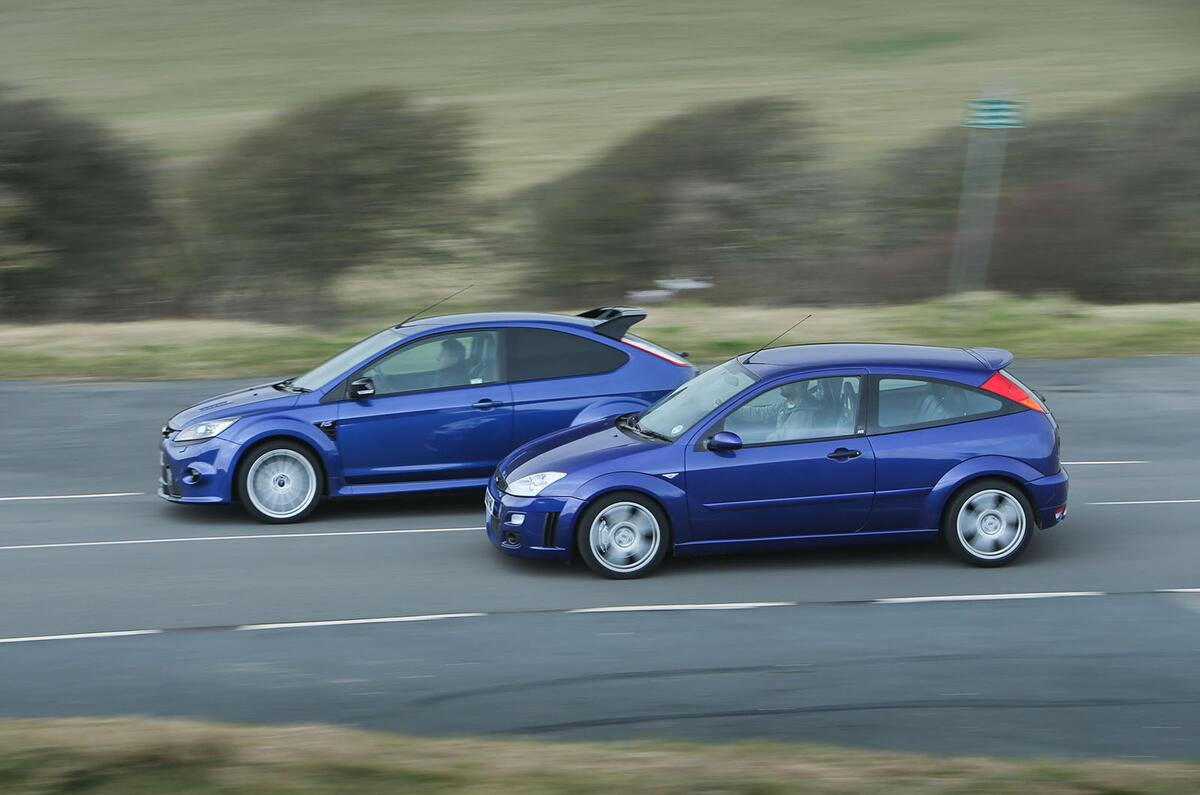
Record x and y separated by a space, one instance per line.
551 524
169 484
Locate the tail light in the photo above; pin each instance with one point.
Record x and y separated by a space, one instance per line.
1004 385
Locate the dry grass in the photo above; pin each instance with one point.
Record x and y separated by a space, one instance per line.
128 754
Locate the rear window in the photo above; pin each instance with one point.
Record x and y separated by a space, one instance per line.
914 402
534 354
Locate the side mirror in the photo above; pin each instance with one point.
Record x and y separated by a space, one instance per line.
724 440
362 388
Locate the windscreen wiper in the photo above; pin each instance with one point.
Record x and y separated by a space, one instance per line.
632 422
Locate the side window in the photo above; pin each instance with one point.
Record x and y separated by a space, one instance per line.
540 353
911 402
441 362
817 408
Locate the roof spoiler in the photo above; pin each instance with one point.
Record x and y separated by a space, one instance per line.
992 358
614 321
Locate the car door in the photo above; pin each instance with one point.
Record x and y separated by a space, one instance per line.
554 375
441 412
804 468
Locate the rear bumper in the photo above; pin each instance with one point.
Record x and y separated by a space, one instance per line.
531 527
1050 494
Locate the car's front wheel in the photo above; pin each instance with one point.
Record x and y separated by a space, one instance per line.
988 523
280 482
623 535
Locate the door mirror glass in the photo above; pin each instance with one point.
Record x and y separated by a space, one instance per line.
362 388
724 440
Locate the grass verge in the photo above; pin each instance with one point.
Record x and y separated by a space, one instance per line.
128 755
1038 328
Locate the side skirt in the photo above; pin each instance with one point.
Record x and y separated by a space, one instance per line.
799 542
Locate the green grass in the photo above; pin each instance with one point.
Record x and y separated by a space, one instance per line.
552 82
1037 328
101 756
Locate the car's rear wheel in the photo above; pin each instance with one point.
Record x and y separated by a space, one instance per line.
280 482
988 523
623 535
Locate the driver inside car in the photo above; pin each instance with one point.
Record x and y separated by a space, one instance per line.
452 368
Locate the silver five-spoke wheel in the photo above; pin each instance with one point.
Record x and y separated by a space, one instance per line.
988 524
623 538
280 484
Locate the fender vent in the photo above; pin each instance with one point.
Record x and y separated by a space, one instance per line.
548 529
329 427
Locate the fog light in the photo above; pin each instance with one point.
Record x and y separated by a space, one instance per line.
512 539
190 476
1060 513
516 519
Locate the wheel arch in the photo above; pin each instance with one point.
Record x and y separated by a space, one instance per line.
667 496
254 443
954 489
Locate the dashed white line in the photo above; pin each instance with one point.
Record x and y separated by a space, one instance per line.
1177 590
186 539
982 597
1145 502
655 608
1098 463
343 622
74 496
80 635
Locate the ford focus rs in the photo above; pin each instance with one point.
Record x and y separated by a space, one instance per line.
427 404
807 444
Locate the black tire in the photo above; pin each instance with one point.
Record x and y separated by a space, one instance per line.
288 482
988 523
637 541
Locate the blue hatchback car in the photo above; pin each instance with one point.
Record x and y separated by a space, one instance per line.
428 404
790 446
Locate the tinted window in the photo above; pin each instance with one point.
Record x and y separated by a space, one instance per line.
816 408
674 414
539 353
905 402
441 362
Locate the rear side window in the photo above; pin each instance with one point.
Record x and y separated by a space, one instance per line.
915 402
534 354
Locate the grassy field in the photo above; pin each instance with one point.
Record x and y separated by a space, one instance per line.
1042 328
552 82
133 756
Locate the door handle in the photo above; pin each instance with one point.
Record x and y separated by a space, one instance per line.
842 454
487 403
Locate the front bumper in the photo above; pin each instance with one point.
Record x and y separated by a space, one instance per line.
1050 493
531 527
199 472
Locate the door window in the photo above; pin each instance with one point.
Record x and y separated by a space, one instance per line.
534 354
442 362
916 402
816 408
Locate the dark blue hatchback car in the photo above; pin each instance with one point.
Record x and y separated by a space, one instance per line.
428 404
791 446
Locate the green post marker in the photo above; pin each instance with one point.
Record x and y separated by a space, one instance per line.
988 119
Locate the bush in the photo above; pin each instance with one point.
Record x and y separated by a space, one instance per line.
78 222
726 191
325 187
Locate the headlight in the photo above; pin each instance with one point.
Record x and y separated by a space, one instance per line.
532 485
205 430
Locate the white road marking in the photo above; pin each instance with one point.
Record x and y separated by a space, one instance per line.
342 622
79 635
651 608
184 539
1145 502
614 609
982 597
74 496
1098 463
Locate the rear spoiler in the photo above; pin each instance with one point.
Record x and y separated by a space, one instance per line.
992 358
614 321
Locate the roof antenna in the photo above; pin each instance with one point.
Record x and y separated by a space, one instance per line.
772 342
431 306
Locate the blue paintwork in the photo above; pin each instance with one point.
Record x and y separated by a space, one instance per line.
419 441
792 494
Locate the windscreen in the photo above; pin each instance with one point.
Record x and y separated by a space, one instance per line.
679 411
357 353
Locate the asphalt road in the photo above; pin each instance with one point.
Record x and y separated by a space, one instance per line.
810 650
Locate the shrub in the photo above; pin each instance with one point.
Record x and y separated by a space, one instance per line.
325 187
78 221
726 191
